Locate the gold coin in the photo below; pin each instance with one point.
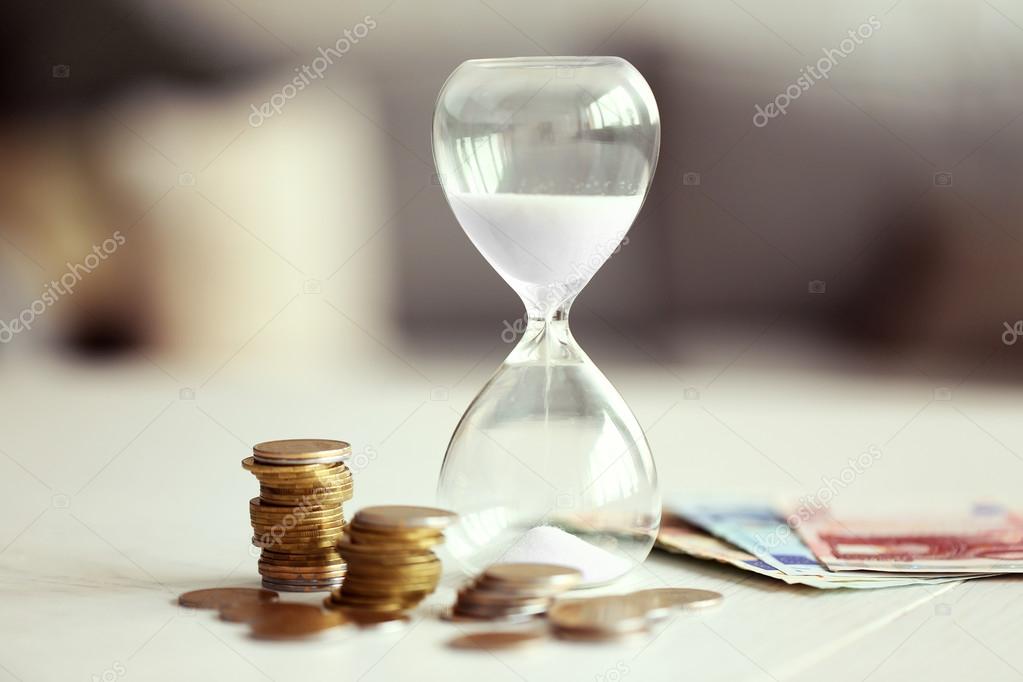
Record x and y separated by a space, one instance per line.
296 547
286 472
390 534
594 635
327 498
490 641
312 489
260 504
415 592
326 555
598 615
217 597
244 612
677 597
294 477
305 577
373 549
301 586
398 572
377 620
547 575
374 602
302 561
334 529
283 470
294 622
301 451
399 516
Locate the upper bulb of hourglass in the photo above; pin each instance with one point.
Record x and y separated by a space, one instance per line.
546 162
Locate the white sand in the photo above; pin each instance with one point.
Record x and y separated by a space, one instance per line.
550 545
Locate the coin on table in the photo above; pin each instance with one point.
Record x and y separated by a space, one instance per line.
489 641
548 575
598 615
244 612
301 451
678 597
217 597
298 621
399 516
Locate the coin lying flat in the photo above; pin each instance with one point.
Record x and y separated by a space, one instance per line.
678 597
489 641
599 616
218 597
301 451
376 620
297 620
244 612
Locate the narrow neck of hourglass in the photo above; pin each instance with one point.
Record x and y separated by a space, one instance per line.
547 340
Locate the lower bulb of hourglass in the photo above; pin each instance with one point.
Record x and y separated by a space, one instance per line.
548 464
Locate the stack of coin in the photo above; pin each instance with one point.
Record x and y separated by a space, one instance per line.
390 565
298 516
509 591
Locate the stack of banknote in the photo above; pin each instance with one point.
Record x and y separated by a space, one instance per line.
868 550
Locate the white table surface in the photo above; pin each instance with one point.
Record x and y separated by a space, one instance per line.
117 494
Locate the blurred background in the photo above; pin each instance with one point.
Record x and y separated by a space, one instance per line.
272 256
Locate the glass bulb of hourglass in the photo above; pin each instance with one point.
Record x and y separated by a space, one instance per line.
546 162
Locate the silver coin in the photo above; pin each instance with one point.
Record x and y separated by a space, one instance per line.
678 597
534 574
599 615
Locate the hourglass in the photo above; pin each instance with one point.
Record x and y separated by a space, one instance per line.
545 162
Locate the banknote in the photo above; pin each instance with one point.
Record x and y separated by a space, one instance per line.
983 538
760 530
680 537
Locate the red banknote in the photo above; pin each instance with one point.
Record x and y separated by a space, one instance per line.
985 538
